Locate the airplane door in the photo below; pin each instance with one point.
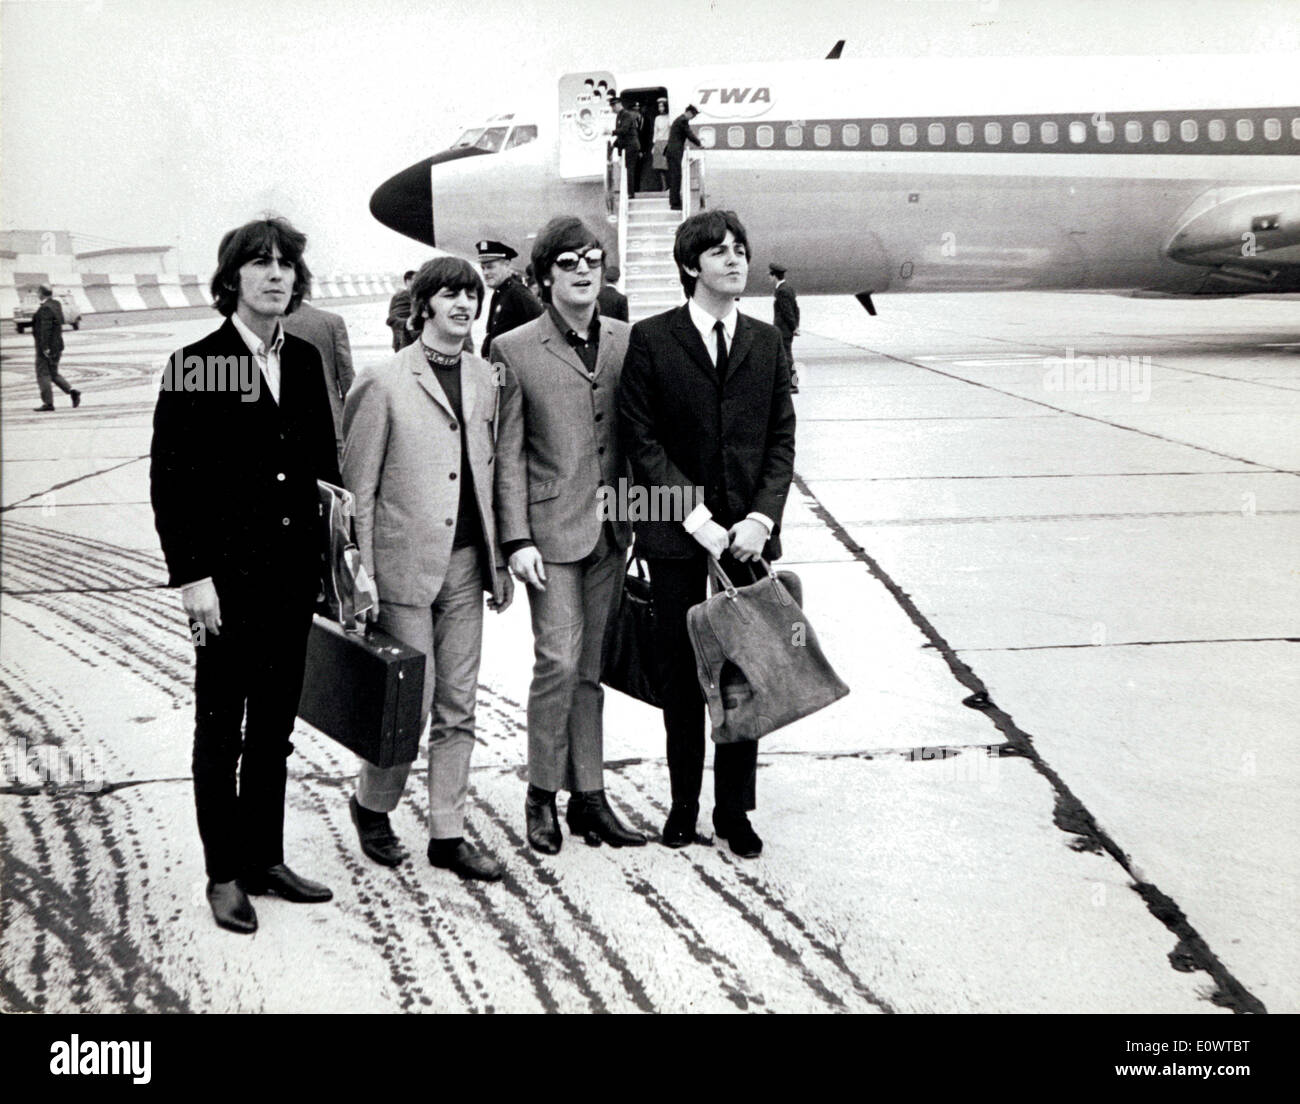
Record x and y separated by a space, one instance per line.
586 124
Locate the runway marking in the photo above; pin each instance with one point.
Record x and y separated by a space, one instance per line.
71 482
1030 475
884 523
1071 814
1140 644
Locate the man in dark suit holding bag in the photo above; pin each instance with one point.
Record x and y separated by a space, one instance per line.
241 433
705 402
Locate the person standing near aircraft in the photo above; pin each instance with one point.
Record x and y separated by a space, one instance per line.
399 310
659 145
785 315
329 333
233 484
419 438
678 135
611 302
704 402
47 330
512 303
627 138
562 369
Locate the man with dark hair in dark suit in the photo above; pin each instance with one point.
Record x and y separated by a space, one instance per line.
399 310
611 301
47 329
512 303
785 314
241 433
704 405
627 137
678 135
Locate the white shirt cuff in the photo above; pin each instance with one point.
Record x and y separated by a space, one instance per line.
696 518
186 587
762 519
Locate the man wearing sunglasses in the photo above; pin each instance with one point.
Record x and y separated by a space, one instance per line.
563 369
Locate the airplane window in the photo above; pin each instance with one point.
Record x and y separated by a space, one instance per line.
907 134
735 136
794 136
765 136
1105 131
1272 129
1133 131
1020 133
491 139
965 133
708 137
1187 130
992 133
1078 132
879 134
822 134
1160 130
937 134
1295 129
851 135
1245 130
1049 132
521 136
1216 130
468 138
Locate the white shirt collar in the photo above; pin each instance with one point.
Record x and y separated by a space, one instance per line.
255 344
703 321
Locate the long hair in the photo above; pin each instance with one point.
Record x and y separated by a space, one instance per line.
702 232
443 272
560 235
250 241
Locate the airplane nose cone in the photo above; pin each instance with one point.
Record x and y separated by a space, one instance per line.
405 202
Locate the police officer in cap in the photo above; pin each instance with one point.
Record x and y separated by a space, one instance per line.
512 303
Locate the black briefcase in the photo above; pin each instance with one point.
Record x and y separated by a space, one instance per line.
364 690
631 658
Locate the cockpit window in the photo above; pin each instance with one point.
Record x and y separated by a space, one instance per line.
521 136
468 138
489 139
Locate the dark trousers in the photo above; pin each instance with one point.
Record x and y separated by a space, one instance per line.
632 163
47 372
675 180
247 682
676 586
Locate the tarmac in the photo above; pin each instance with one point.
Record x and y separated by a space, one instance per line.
1064 591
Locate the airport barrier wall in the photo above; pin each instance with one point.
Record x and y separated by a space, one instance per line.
105 292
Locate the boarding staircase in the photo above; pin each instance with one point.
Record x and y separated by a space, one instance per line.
650 279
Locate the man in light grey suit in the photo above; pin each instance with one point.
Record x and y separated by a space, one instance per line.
329 333
418 454
564 367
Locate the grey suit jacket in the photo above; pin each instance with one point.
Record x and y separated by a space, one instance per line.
553 465
329 333
401 458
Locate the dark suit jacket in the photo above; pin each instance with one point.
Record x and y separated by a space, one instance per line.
785 309
678 135
512 305
329 333
233 483
682 426
47 327
612 303
627 130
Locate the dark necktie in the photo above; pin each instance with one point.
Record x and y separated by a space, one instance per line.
721 359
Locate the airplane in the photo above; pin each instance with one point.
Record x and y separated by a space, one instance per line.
1174 175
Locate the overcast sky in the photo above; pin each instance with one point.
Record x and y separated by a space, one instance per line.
169 121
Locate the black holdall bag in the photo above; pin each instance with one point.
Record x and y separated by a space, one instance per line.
631 661
759 663
362 687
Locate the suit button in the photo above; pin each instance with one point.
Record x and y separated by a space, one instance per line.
280 476
595 387
599 417
600 451
490 459
454 427
452 476
451 521
284 521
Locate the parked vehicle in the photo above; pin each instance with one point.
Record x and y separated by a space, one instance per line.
29 302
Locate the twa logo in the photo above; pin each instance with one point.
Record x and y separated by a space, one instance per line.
732 102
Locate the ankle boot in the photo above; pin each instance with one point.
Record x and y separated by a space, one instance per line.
542 821
595 817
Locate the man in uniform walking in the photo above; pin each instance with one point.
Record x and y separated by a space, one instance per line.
47 329
678 135
512 303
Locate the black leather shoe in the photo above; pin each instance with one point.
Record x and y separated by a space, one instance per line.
231 907
376 834
42 409
737 831
580 822
679 830
542 821
462 859
75 396
594 815
284 883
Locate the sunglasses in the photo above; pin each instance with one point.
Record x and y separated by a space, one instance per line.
568 262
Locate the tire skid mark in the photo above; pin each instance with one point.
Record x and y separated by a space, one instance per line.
80 893
385 934
631 983
25 553
40 963
734 986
